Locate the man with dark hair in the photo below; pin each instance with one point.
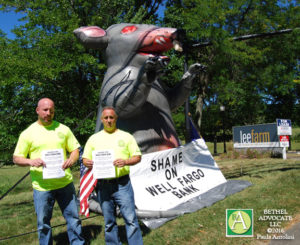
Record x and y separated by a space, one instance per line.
117 190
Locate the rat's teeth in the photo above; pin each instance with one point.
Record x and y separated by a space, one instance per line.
177 46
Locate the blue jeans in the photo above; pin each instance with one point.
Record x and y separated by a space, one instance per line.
119 192
66 199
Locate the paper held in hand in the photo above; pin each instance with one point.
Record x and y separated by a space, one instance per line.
103 167
54 160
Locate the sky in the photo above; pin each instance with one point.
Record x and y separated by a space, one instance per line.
8 21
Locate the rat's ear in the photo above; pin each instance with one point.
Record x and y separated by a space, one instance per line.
92 37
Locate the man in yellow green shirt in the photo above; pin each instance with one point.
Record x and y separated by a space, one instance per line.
117 190
41 146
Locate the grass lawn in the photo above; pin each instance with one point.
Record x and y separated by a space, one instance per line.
275 185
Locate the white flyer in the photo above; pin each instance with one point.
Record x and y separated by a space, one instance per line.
103 167
54 160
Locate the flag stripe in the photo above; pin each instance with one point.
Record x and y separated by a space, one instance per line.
87 185
85 178
87 191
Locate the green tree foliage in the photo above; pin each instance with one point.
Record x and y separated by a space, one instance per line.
254 79
46 60
257 80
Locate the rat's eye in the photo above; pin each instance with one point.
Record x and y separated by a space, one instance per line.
128 29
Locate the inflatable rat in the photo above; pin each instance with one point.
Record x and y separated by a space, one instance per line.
134 57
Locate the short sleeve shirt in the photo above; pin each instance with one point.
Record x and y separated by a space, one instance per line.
37 138
122 143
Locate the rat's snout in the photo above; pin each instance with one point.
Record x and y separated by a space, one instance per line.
161 39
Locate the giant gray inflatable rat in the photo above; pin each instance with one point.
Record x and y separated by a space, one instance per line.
135 60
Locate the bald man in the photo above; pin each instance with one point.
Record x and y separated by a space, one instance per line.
48 143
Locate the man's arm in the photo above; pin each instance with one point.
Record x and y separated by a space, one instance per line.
74 155
129 162
24 162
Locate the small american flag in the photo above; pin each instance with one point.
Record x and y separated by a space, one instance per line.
87 185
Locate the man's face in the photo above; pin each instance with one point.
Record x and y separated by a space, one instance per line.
45 111
109 120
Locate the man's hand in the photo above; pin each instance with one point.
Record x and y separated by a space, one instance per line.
131 161
68 163
88 163
37 162
74 155
119 163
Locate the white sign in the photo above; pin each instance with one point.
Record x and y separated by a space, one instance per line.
165 179
284 127
54 160
103 166
257 145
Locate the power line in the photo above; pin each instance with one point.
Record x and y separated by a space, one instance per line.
247 37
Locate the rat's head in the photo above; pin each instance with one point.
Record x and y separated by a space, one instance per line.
132 44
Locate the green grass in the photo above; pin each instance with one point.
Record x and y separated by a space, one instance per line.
296 131
295 144
275 185
9 175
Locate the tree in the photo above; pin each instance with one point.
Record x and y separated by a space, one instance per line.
257 80
46 60
254 79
